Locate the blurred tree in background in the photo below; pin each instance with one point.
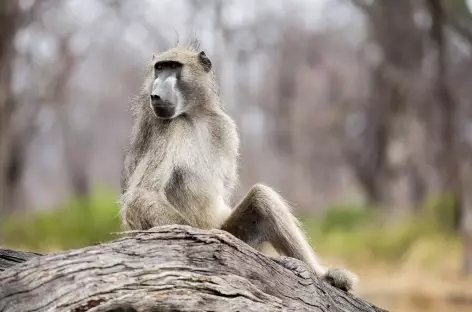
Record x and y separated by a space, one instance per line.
9 13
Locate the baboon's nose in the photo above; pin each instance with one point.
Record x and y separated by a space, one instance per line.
156 100
155 97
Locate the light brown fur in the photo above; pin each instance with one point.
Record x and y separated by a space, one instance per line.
183 171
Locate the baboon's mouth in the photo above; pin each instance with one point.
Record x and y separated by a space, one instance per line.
167 111
161 107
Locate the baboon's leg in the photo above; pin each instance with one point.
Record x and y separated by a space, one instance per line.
263 216
143 210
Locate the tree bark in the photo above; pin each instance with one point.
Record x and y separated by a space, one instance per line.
10 257
169 268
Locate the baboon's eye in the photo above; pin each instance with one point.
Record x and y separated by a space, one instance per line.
162 65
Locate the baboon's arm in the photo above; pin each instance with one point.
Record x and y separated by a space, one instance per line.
143 210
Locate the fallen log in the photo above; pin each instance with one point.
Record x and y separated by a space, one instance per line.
169 268
9 257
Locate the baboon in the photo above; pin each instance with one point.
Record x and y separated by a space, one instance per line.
181 165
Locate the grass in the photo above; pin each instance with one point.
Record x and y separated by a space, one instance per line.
359 234
76 223
353 233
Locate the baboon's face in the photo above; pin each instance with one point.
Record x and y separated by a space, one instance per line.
179 83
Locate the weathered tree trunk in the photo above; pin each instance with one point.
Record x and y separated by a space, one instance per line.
170 268
10 257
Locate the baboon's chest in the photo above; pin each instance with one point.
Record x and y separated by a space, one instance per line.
199 158
189 158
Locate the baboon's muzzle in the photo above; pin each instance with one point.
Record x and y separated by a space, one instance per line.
162 109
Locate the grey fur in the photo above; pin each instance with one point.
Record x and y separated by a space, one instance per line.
183 171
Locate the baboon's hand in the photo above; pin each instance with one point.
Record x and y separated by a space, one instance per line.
341 278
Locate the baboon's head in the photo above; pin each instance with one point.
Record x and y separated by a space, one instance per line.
182 79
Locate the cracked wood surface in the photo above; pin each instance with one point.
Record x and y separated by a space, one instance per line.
170 268
10 257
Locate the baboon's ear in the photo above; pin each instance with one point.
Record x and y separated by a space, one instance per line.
205 61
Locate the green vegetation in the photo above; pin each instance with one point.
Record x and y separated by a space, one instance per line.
76 223
359 234
354 233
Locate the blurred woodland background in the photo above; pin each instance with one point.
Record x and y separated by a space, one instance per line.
359 112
